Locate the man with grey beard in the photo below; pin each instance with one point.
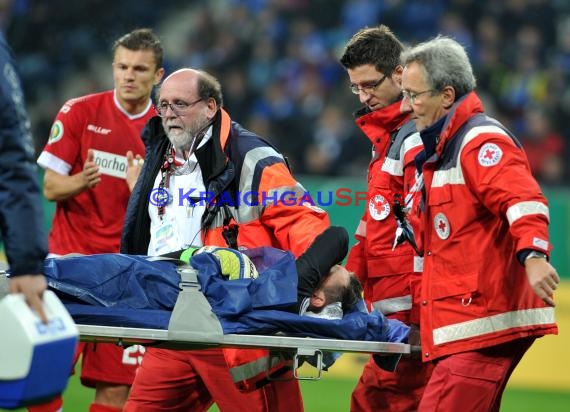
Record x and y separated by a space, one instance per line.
191 192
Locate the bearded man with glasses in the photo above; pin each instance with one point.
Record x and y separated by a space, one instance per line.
198 167
387 267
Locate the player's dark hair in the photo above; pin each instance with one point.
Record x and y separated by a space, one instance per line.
142 39
349 295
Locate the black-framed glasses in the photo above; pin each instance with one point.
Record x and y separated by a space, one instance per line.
367 87
413 96
179 107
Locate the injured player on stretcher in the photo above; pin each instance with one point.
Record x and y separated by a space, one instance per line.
275 294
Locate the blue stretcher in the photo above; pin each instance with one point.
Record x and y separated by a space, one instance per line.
140 300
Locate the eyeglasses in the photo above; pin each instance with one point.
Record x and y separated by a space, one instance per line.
367 88
179 107
413 96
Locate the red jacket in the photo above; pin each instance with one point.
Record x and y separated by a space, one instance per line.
482 207
386 273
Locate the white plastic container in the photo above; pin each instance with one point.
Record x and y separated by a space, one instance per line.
35 358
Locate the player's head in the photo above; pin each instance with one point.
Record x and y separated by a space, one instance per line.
141 39
339 285
372 60
137 68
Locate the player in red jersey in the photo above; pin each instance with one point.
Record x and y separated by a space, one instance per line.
91 163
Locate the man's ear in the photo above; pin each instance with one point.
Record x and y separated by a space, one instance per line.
448 96
158 76
212 108
397 74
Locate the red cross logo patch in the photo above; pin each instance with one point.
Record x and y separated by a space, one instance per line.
442 227
490 154
378 207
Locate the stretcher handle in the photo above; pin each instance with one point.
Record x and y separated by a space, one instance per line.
299 359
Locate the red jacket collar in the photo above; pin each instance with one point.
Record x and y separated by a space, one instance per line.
461 111
378 125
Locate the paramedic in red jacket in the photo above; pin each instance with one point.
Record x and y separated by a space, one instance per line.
196 150
372 61
487 287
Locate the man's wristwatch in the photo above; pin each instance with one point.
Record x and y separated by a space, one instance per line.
535 254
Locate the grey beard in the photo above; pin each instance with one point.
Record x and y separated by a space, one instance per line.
182 142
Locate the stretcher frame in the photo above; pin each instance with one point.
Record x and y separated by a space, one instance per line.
203 331
298 348
159 337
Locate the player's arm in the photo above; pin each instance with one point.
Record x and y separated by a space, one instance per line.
58 187
328 249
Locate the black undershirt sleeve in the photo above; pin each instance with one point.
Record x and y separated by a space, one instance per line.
327 250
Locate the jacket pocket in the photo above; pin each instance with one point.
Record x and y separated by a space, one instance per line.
439 195
457 299
464 285
389 265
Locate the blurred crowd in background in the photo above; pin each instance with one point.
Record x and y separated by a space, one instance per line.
278 63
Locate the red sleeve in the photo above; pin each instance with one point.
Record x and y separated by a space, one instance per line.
65 136
497 171
356 261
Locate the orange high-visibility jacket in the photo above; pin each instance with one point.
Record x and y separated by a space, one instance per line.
248 178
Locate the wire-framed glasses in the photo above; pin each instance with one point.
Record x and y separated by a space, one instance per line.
178 107
413 96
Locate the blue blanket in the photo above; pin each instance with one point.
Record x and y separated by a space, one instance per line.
133 291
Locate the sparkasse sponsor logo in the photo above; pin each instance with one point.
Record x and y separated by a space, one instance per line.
111 164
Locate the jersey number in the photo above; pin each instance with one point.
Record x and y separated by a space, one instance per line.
133 355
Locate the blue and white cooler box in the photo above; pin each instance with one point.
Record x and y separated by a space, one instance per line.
35 358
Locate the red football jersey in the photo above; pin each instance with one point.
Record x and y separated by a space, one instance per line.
91 222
